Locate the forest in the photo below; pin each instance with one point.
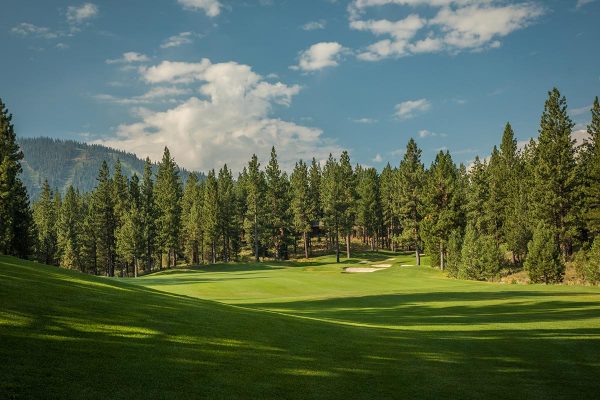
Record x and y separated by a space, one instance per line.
534 208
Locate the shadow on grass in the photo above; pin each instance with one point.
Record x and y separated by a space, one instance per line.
58 339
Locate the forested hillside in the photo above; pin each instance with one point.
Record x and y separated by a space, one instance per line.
67 162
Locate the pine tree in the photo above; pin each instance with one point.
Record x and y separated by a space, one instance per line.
104 220
331 198
45 217
228 222
314 188
347 200
481 259
191 219
410 181
69 229
543 262
167 196
555 174
301 203
17 229
130 233
148 216
388 203
210 221
122 210
588 264
276 204
88 239
441 206
255 190
368 206
591 173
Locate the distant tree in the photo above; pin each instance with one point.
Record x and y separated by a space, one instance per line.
17 229
45 217
255 205
191 219
210 218
70 231
347 198
368 205
543 263
314 192
130 232
481 258
555 174
441 206
228 221
301 203
105 223
167 195
410 182
588 263
148 216
454 259
331 200
276 206
88 240
389 197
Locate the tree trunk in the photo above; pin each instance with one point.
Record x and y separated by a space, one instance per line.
305 244
337 244
418 255
256 240
441 256
348 246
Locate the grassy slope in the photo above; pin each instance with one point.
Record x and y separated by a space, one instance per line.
394 333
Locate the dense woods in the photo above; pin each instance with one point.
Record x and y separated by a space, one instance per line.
533 208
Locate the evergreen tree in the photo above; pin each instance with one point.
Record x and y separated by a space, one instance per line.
331 197
347 198
454 260
301 203
368 206
442 206
210 220
69 229
17 229
88 240
555 175
167 196
481 259
276 204
588 264
410 181
191 219
45 218
228 222
314 192
388 202
255 204
543 262
105 220
130 233
591 173
148 216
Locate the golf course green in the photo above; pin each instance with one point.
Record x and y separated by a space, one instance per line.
293 330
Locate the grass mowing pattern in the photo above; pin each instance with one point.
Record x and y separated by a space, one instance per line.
293 330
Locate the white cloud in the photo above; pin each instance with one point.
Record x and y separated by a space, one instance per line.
226 124
583 3
314 25
161 94
457 25
129 58
425 133
27 29
580 110
178 40
319 56
410 108
211 8
82 13
364 120
377 158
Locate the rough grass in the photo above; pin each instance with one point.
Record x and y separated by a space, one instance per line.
293 330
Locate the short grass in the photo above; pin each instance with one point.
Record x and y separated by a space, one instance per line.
293 330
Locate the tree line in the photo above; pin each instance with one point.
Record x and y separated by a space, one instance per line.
532 208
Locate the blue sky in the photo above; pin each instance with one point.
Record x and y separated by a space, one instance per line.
217 80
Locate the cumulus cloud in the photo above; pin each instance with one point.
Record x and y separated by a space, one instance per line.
583 3
82 13
160 94
129 58
410 108
314 25
230 119
364 120
319 56
211 8
180 39
456 25
26 29
377 158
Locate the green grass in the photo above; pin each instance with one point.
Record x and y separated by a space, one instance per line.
293 330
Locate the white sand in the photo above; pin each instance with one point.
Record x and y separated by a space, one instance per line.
407 265
360 269
381 265
363 262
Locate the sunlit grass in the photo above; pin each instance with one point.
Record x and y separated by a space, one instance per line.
293 330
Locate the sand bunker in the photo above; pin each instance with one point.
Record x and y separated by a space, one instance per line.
372 268
407 265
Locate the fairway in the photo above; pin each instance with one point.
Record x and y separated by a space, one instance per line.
293 330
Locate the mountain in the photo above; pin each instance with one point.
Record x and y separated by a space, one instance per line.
68 162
